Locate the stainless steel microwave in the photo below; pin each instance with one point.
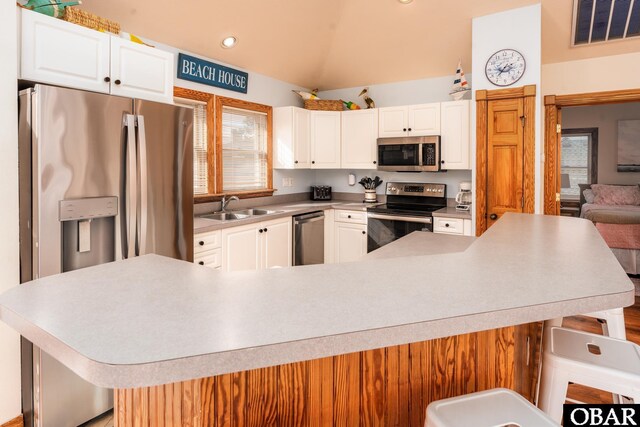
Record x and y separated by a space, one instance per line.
409 154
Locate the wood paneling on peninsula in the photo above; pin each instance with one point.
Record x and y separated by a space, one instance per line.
384 387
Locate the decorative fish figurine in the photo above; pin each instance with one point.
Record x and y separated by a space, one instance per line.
53 8
366 98
306 95
350 105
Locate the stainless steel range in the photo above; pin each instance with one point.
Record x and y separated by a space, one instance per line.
408 209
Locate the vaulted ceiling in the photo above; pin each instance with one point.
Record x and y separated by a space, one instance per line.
332 44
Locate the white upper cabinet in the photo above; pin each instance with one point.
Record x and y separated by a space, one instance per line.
393 121
325 139
140 71
60 53
359 134
65 54
455 143
424 119
291 138
410 120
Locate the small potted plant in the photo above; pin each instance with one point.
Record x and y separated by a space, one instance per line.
370 186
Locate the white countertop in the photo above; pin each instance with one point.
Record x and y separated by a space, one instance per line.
153 320
452 212
421 243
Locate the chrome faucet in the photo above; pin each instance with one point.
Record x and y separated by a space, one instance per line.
226 201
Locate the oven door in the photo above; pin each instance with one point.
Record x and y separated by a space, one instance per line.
383 229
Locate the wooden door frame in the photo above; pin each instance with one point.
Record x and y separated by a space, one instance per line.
553 105
528 93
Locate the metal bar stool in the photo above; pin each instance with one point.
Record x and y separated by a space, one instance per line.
605 363
490 408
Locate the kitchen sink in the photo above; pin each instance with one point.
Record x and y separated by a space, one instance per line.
245 213
253 212
225 216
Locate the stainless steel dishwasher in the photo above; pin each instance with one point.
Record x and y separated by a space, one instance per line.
308 238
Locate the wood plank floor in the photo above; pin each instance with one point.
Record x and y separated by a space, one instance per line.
632 321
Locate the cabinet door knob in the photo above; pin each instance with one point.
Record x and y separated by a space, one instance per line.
313 162
442 161
374 162
201 243
446 225
201 262
296 162
117 82
107 79
364 232
493 216
265 230
404 129
409 129
348 216
261 231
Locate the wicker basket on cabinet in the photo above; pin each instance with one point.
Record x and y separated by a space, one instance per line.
323 105
89 20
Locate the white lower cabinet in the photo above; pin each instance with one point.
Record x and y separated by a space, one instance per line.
207 249
257 246
457 226
350 235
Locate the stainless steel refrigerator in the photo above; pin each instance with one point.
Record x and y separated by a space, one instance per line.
102 178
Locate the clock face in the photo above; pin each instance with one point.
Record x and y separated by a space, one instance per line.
505 67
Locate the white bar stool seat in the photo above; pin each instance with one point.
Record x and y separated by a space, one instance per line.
591 360
490 408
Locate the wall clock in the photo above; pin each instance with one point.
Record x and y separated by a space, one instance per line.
505 67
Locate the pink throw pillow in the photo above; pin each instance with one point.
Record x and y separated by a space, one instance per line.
616 194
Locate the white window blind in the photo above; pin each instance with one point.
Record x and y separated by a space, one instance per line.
200 165
244 150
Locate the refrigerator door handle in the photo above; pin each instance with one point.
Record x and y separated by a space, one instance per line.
144 187
131 184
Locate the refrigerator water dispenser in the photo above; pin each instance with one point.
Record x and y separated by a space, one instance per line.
88 231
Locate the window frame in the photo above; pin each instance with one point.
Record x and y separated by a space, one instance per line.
221 102
214 143
592 167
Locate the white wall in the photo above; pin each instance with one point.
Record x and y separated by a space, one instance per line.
518 29
614 72
401 93
338 179
605 118
10 406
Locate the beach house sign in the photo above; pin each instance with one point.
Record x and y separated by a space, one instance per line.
212 74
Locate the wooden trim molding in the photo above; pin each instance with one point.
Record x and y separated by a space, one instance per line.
515 92
206 198
16 422
483 97
597 98
209 98
481 163
552 136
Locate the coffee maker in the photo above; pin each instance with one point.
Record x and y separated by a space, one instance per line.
464 198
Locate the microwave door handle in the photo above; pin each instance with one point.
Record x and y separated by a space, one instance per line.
420 158
423 220
130 186
144 186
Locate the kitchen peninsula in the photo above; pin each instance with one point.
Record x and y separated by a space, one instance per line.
368 343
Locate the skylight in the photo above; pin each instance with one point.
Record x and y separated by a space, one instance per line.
604 20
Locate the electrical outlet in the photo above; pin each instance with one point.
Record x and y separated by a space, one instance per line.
287 182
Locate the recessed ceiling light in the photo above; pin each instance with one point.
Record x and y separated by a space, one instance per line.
405 1
229 42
